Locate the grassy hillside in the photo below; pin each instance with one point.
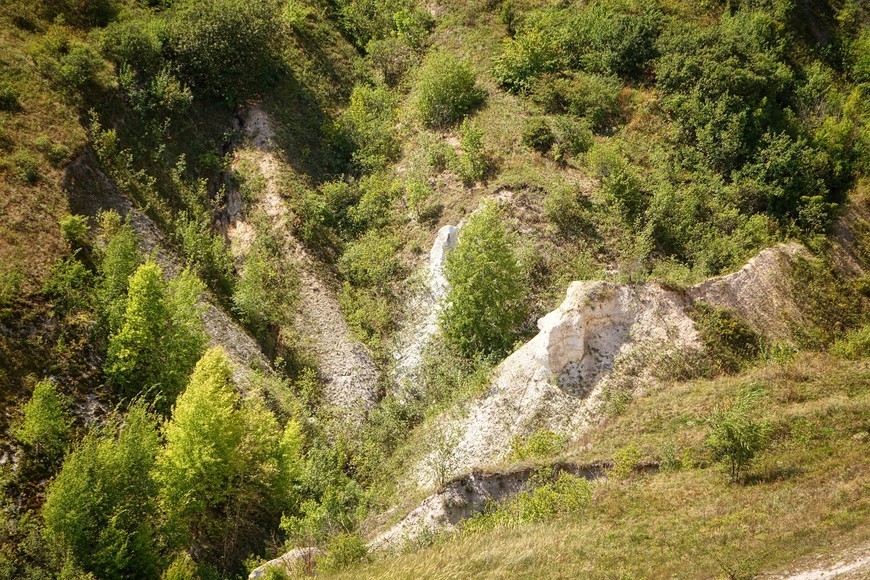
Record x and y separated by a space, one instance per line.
805 495
152 240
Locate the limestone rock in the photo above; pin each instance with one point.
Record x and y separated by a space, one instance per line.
554 381
295 560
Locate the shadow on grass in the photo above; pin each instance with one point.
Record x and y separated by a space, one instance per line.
773 475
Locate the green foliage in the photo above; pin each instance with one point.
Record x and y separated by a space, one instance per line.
736 436
205 252
118 257
729 341
9 97
378 192
26 166
100 508
182 567
371 260
610 38
161 335
227 470
572 136
854 345
344 550
473 161
368 125
69 284
70 64
74 229
620 185
554 495
485 304
542 444
372 20
537 134
224 48
266 292
45 421
625 460
593 97
78 13
445 90
569 210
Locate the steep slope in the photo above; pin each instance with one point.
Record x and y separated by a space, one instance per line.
344 365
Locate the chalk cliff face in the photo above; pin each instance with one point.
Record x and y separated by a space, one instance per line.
760 292
555 380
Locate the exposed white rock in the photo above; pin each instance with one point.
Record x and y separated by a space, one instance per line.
425 308
296 560
760 292
554 381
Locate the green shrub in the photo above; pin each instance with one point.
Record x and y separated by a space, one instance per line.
572 136
379 192
569 210
594 97
537 134
118 256
562 494
69 284
45 421
370 313
542 444
855 345
136 43
100 508
26 166
206 253
484 306
371 260
445 90
224 48
84 14
368 125
736 436
625 459
524 58
55 153
729 341
474 161
74 229
344 550
9 97
160 338
267 289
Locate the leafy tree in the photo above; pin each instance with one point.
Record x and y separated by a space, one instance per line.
445 90
100 509
45 421
226 472
118 258
161 336
484 305
736 436
224 48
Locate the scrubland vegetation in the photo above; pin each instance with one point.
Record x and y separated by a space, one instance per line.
665 141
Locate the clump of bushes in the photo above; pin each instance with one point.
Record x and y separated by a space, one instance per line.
537 134
367 126
445 90
224 48
45 421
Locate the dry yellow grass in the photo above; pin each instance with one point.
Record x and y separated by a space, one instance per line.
806 494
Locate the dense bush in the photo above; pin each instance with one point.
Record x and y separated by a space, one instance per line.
81 13
371 260
100 509
537 134
224 48
445 90
593 97
368 125
45 421
729 341
227 471
483 308
266 291
160 337
473 161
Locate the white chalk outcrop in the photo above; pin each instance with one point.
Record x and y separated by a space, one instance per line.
555 380
425 308
761 292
